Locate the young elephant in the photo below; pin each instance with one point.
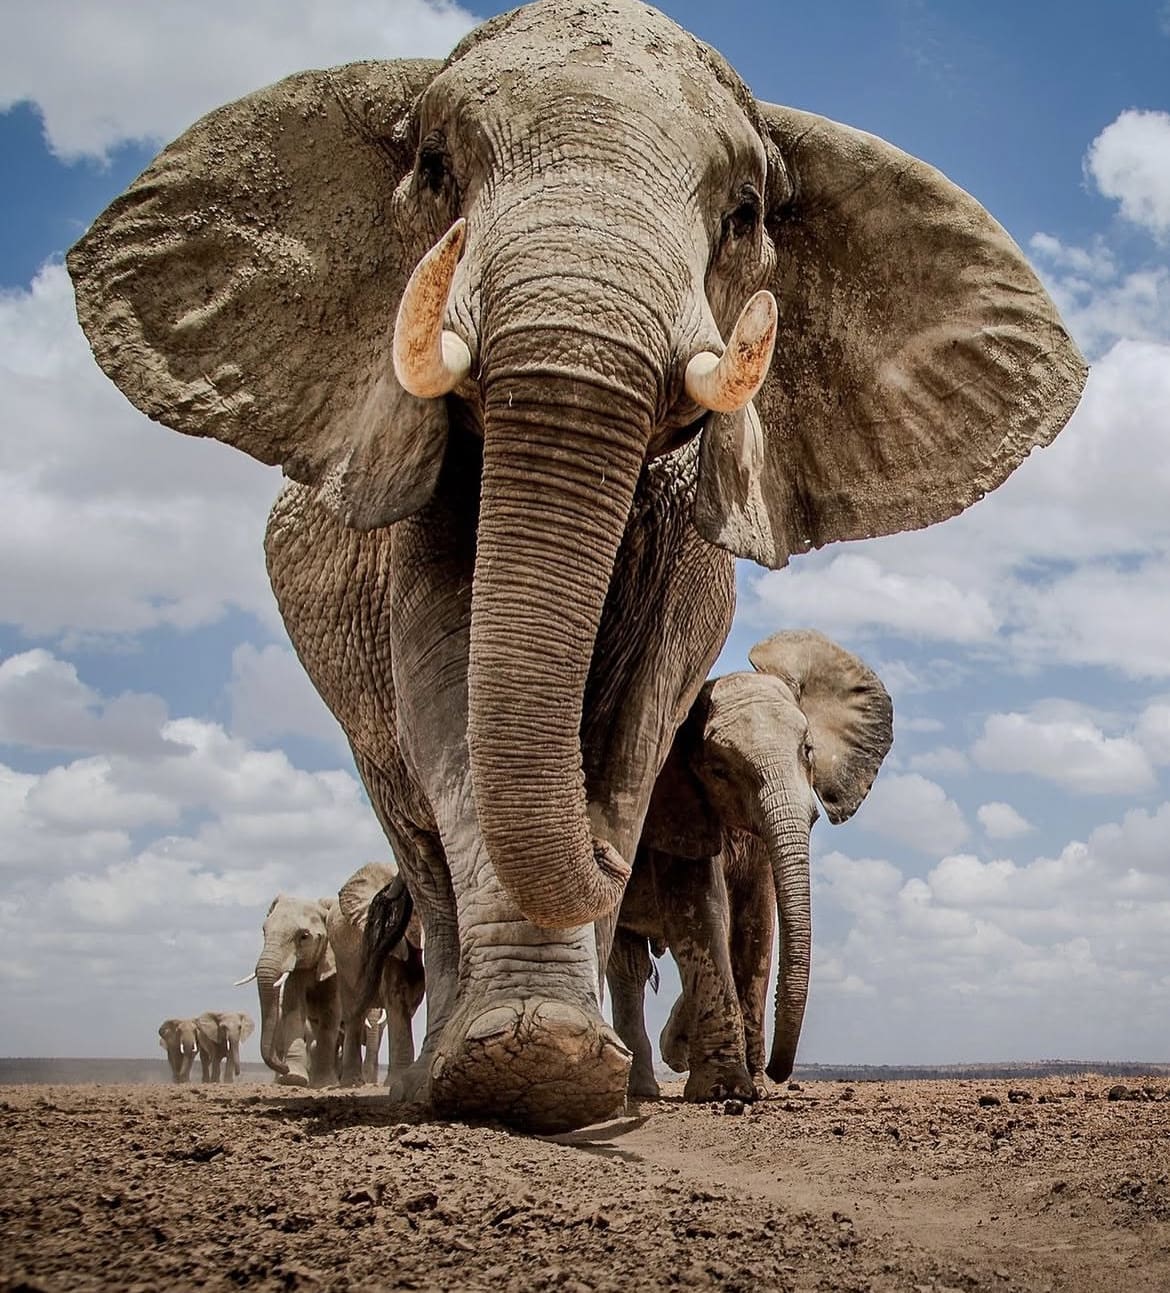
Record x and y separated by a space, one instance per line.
397 992
725 838
219 1035
177 1038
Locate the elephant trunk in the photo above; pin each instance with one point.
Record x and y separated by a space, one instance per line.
563 450
785 832
270 969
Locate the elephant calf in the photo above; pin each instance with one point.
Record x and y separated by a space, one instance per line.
727 836
395 985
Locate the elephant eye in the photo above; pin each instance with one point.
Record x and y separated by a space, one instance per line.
433 163
743 221
302 934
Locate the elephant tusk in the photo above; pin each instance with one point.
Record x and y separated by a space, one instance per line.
429 361
381 1017
725 384
239 983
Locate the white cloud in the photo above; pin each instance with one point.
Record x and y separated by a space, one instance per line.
271 696
1073 753
111 524
1130 162
915 811
44 705
1153 731
101 75
1000 821
850 592
943 760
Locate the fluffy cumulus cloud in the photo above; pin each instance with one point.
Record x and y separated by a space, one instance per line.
1072 752
996 958
112 525
1130 162
164 847
1001 821
272 697
913 810
104 74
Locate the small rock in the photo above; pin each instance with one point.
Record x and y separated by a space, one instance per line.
1016 1096
424 1202
838 1129
733 1106
1058 1187
795 1086
894 1132
989 1101
848 1093
1118 1092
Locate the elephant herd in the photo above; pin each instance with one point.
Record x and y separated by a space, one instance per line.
545 336
334 974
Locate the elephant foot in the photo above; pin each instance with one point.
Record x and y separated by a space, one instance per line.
719 1082
674 1043
543 1066
643 1084
763 1086
297 1060
411 1083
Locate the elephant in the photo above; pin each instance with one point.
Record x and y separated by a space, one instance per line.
510 324
219 1035
726 844
177 1038
398 991
300 1006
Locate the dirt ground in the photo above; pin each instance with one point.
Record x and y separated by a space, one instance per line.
914 1186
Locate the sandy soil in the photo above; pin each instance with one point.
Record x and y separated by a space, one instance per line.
909 1186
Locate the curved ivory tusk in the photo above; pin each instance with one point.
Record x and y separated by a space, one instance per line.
239 983
726 384
428 360
381 1017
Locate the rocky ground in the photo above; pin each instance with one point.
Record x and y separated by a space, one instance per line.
1052 1184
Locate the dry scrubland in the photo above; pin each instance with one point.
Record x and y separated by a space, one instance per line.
1046 1183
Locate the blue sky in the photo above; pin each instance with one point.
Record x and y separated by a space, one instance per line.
165 768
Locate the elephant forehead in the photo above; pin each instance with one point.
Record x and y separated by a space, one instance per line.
626 54
747 707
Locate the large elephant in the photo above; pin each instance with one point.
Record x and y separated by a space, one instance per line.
219 1035
725 848
300 1007
177 1038
583 220
399 988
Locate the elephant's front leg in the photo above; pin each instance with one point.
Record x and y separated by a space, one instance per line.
696 916
626 972
354 1027
526 1041
752 897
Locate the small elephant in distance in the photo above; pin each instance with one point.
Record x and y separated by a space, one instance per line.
726 842
219 1035
394 990
178 1038
296 977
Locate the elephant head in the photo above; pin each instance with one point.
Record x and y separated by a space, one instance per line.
177 1038
755 749
295 941
570 239
222 1033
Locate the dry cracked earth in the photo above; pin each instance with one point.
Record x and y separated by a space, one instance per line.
922 1187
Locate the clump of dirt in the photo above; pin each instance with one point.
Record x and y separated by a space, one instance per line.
866 1186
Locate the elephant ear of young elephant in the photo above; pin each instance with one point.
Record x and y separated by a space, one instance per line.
356 894
247 1027
918 359
244 287
850 714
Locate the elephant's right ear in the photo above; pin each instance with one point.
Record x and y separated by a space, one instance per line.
918 359
247 1027
849 712
681 819
245 287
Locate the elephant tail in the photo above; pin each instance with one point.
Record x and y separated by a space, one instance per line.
390 911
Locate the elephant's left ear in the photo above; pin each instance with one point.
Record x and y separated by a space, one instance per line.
247 1027
849 712
245 287
918 359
